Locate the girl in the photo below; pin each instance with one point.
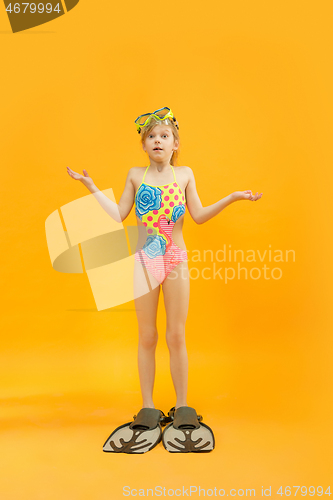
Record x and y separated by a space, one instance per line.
161 194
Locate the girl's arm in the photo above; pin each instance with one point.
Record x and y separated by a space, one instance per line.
119 211
202 214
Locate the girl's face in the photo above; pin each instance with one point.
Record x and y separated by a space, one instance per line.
160 143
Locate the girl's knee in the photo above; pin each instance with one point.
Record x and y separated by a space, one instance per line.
148 337
175 338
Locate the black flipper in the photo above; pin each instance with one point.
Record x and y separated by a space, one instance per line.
186 433
139 436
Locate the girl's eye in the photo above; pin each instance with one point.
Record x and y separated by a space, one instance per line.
164 135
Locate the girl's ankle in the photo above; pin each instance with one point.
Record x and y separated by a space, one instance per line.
178 406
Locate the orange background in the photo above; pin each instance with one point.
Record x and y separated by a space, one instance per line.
250 84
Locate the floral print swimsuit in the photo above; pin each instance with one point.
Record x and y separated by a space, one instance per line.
159 208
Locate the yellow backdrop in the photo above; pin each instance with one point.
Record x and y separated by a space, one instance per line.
251 86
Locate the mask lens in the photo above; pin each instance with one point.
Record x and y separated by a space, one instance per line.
141 120
162 112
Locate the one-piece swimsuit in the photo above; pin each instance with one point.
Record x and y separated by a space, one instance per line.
159 208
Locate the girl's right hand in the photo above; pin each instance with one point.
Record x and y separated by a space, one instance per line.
246 195
85 179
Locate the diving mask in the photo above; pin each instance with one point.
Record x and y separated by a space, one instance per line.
161 114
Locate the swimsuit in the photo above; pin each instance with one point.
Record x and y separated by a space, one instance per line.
159 208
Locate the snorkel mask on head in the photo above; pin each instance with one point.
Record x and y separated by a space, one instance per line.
160 114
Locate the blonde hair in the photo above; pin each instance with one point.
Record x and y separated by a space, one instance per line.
151 124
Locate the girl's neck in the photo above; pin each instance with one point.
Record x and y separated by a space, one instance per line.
158 167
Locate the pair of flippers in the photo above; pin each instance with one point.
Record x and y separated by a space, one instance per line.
184 432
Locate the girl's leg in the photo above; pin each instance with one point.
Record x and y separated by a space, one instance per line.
176 292
146 312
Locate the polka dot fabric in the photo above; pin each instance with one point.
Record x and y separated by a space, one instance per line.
171 196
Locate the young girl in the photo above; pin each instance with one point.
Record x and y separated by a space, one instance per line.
161 194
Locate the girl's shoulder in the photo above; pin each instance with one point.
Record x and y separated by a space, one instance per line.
136 173
183 175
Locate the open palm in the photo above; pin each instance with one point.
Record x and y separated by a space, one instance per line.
247 195
85 179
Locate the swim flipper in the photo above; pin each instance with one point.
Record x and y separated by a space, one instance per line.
139 436
186 433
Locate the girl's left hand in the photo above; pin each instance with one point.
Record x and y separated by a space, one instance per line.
246 195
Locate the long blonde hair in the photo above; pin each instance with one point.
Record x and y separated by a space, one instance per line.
151 124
